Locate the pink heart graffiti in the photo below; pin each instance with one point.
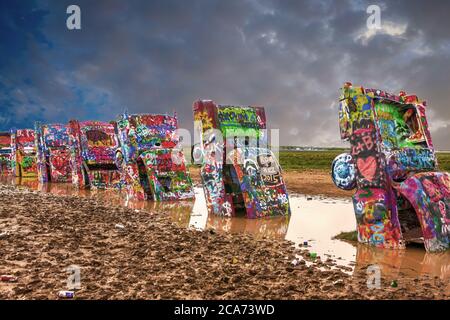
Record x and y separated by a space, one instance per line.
368 167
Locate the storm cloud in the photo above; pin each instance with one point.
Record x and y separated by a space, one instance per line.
159 56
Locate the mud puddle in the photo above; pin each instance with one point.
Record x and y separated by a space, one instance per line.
313 224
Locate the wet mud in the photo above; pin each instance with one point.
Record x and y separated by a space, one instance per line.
136 253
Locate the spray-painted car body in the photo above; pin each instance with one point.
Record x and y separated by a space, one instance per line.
239 172
53 153
23 153
5 153
153 166
400 195
92 154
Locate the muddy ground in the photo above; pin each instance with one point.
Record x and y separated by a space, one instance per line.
152 258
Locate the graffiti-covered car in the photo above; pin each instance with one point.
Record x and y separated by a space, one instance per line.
238 171
53 153
5 153
23 153
92 154
401 196
153 165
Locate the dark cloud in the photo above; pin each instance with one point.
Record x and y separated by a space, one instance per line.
159 56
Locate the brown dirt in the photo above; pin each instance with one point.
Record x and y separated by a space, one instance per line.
308 182
313 182
152 258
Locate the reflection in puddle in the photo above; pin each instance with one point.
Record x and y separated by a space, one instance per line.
412 261
315 220
268 227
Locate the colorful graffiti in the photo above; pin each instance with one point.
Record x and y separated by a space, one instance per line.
53 154
344 172
153 164
23 153
92 147
239 173
5 153
369 162
400 196
429 193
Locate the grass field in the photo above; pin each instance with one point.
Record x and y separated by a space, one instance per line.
321 160
444 161
303 160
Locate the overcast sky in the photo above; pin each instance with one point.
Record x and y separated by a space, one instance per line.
159 56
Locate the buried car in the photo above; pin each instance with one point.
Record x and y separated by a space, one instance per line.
5 153
53 153
152 162
92 154
23 153
238 171
401 196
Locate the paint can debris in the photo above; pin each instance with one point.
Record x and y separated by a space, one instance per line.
4 234
8 278
313 255
66 294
